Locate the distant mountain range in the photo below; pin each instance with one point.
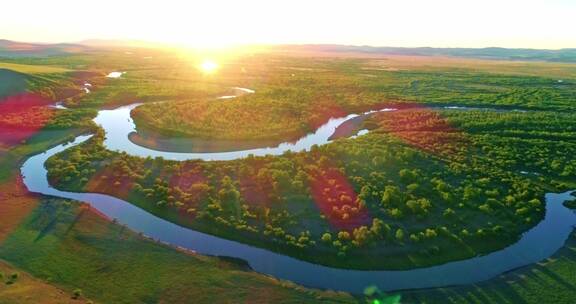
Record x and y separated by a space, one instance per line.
563 55
10 48
119 43
23 49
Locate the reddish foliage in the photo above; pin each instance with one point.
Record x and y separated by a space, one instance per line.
108 179
190 179
256 192
22 116
323 112
423 128
186 176
62 93
73 94
257 188
81 77
337 200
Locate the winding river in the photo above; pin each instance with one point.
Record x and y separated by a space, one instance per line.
118 125
535 245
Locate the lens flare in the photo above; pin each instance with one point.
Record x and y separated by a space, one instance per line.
209 66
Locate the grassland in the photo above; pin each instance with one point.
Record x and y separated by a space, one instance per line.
427 187
551 281
70 248
11 83
494 67
16 205
69 245
29 290
410 173
47 281
295 95
32 69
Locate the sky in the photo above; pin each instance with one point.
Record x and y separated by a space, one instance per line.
198 23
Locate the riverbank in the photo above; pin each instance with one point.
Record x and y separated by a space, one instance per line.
553 231
548 281
151 140
68 244
147 136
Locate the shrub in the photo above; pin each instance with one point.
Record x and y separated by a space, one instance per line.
77 293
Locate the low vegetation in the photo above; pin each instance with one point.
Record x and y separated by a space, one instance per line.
68 244
425 193
295 96
551 281
32 69
24 289
426 186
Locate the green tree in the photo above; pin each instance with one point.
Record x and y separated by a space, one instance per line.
399 235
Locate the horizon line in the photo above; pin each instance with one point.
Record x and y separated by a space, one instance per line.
150 43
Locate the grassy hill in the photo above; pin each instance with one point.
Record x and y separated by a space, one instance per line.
11 82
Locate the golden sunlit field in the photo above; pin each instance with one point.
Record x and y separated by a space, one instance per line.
31 69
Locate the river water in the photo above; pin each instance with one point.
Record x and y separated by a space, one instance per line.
535 245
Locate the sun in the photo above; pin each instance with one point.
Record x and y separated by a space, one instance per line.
209 66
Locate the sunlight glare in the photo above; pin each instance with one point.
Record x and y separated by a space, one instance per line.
209 66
